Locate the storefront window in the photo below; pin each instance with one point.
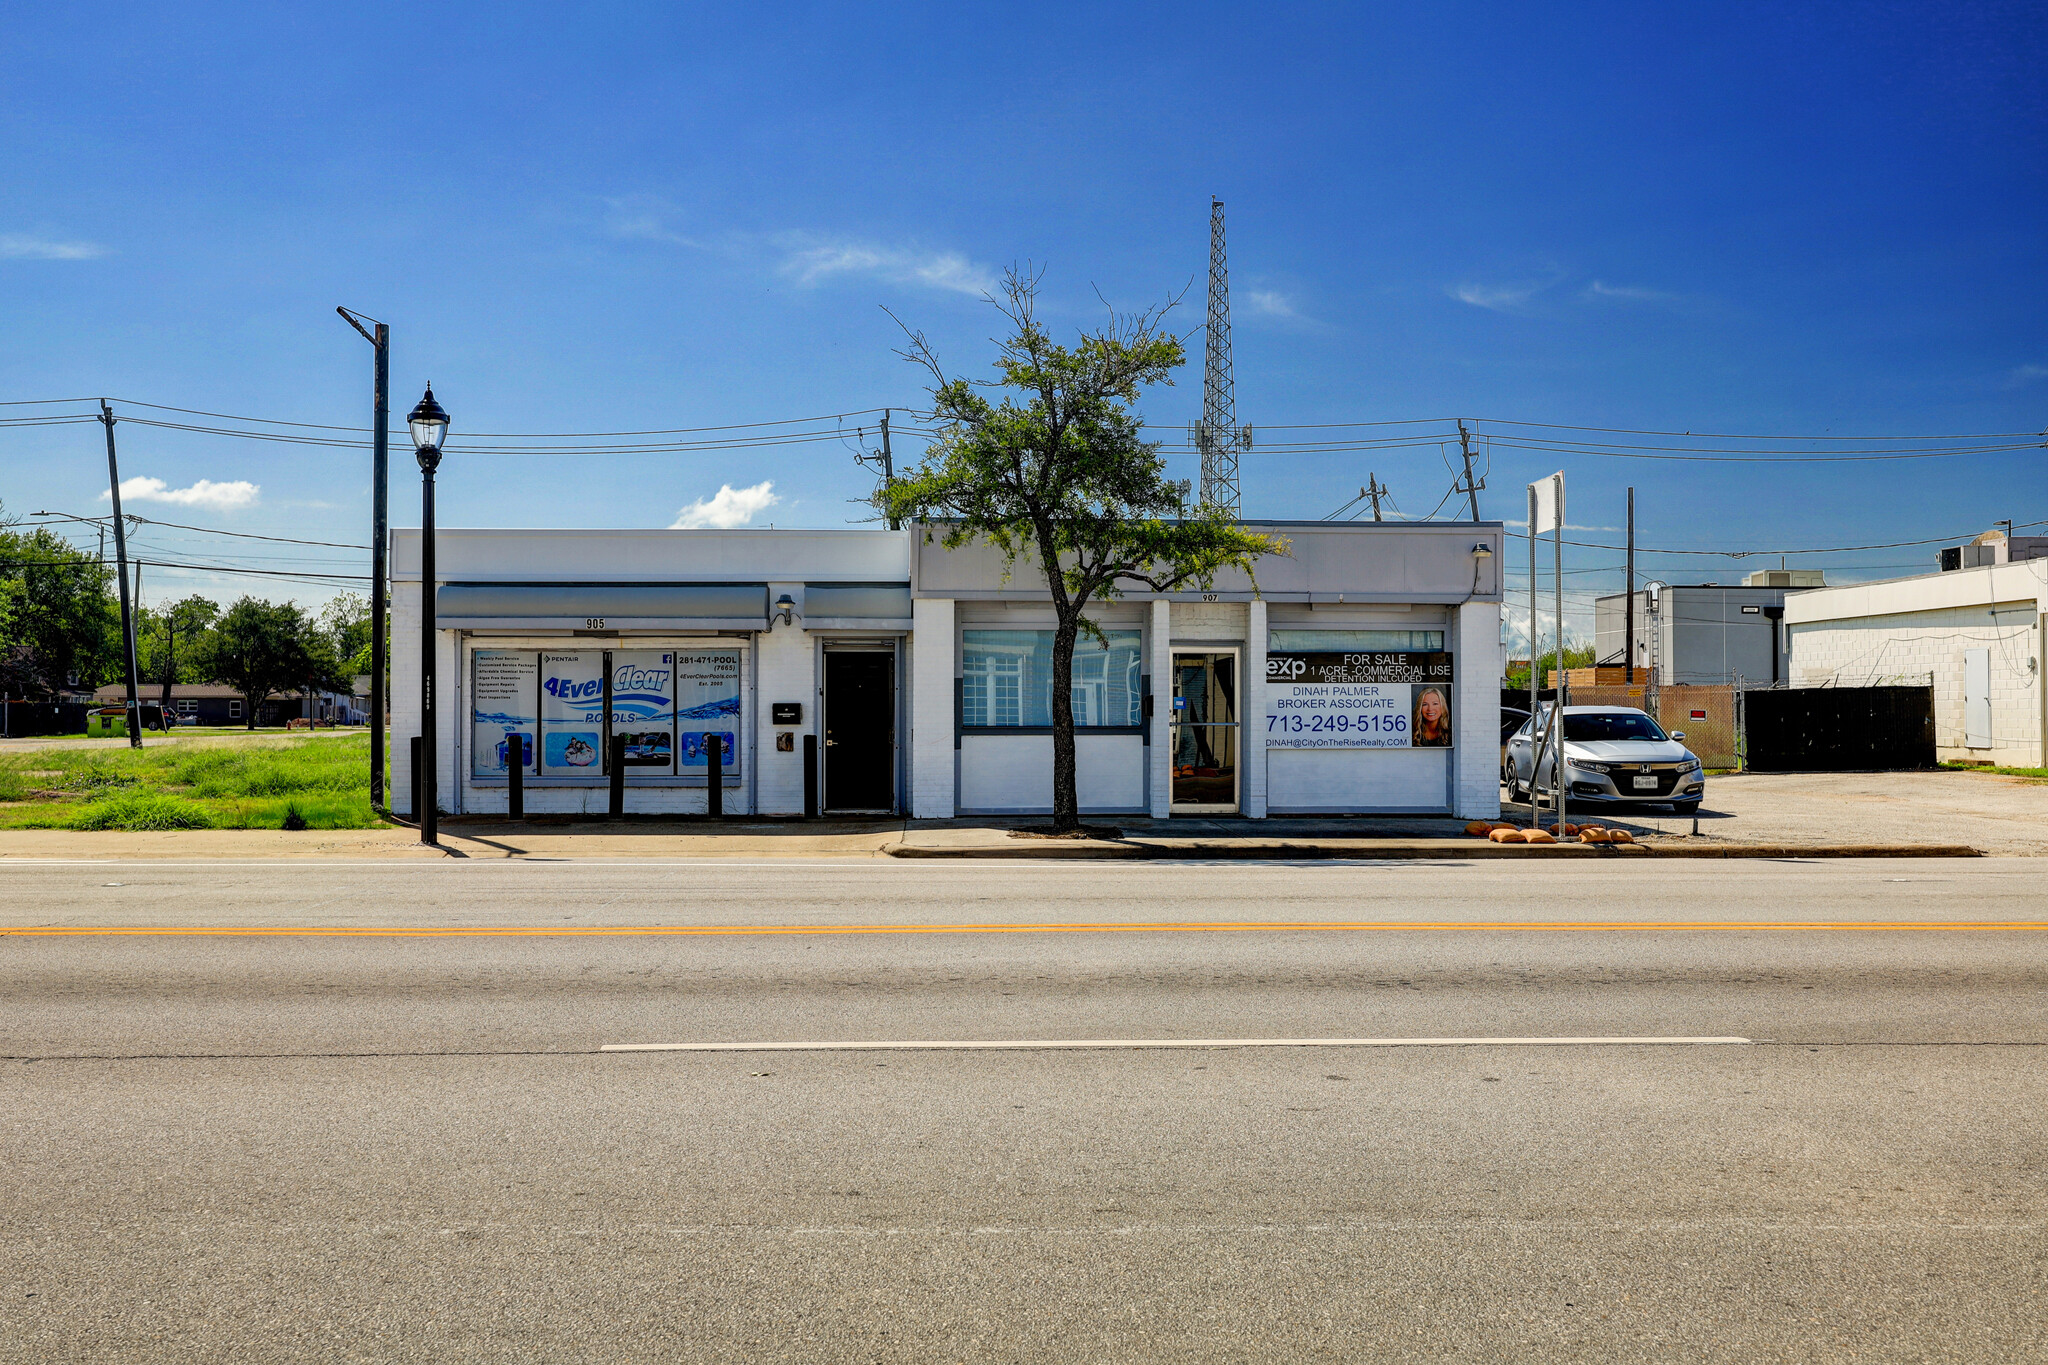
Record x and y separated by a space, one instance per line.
1006 679
1353 641
557 712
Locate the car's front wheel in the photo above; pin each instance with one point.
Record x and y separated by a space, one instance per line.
1510 781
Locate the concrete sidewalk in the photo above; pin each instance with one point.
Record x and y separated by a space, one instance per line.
1374 838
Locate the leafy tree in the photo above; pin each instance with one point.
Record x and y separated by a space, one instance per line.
172 643
345 621
62 620
263 648
1059 473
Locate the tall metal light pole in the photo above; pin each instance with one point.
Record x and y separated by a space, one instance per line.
380 489
429 423
121 567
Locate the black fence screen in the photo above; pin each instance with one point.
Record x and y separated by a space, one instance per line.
1839 729
19 718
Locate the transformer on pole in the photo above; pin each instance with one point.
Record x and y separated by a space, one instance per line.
1217 436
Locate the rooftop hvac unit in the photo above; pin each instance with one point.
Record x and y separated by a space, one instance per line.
1787 578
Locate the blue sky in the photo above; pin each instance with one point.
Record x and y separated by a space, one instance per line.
1811 220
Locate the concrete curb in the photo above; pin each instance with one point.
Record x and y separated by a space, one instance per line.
1447 848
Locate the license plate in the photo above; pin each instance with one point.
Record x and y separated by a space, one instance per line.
1646 784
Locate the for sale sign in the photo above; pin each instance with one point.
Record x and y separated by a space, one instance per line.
1384 700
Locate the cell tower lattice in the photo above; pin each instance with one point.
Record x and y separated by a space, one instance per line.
1218 436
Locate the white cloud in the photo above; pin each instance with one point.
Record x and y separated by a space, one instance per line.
645 218
1500 298
216 497
1600 289
17 246
810 260
2019 376
728 508
1271 303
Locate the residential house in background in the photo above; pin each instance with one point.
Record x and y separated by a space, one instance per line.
220 704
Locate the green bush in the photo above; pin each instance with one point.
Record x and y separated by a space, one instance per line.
139 811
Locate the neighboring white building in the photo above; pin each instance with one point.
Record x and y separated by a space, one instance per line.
1976 633
1361 676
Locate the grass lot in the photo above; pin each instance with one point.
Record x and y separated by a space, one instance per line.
2038 774
215 784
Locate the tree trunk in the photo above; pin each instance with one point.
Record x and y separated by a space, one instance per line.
1066 798
255 704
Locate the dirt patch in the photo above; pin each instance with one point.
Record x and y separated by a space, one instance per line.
1106 833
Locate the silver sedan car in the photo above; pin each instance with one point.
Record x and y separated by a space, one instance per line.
1612 754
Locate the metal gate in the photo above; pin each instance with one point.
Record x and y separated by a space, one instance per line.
1839 729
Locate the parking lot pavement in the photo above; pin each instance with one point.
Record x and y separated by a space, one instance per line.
2006 816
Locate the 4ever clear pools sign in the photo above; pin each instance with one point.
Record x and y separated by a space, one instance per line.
1358 701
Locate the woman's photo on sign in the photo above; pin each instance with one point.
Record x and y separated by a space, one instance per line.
1432 718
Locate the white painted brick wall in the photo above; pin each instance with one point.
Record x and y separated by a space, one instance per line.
931 646
1160 755
1222 622
1907 647
405 690
1253 717
1475 776
786 664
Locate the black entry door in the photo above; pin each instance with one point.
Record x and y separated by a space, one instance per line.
860 730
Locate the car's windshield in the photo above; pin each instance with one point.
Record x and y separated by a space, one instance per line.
1610 725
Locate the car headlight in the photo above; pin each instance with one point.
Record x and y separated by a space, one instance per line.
1588 767
1690 765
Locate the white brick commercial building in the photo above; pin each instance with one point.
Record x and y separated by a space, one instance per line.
1976 633
877 672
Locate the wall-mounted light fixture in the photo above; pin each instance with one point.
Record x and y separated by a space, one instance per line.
785 607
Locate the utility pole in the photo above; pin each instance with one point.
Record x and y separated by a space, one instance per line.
379 516
1471 488
121 567
1375 490
888 464
1628 648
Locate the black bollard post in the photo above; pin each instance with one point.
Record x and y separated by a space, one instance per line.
810 777
618 777
515 771
714 772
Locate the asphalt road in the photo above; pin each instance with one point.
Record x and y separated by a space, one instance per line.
379 1146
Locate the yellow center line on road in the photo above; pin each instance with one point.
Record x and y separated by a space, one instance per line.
1097 927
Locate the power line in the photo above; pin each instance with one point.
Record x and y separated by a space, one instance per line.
208 530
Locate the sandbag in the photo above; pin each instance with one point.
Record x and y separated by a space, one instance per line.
1620 836
1538 836
1479 828
1505 835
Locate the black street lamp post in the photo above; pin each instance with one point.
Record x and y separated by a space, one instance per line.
429 423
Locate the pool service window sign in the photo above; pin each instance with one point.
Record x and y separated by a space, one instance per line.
572 713
707 703
562 709
1394 700
502 711
644 706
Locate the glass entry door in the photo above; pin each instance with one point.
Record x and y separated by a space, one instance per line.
1205 731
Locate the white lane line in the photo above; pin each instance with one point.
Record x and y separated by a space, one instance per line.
1042 1044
